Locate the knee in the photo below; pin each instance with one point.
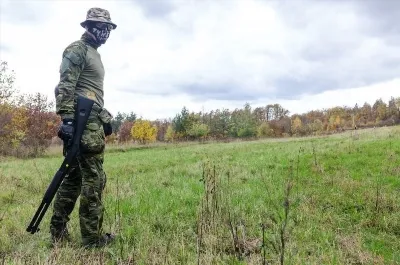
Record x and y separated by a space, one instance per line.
90 198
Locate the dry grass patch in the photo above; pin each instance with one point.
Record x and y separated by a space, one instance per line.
353 253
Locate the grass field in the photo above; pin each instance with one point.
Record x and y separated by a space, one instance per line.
325 200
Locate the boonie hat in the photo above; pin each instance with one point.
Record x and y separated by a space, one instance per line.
97 14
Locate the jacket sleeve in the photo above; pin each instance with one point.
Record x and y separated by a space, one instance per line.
73 63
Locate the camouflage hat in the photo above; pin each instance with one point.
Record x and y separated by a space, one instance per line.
98 15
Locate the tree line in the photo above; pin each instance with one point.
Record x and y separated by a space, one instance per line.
271 120
28 124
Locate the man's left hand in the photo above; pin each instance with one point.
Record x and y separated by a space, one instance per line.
66 130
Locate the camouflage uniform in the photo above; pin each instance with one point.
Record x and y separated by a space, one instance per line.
82 73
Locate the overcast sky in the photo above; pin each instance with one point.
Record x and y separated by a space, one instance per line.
215 54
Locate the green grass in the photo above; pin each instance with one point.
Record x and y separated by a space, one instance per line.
208 203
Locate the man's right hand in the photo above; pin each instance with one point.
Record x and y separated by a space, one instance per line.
66 130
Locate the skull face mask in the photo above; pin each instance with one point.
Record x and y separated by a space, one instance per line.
101 31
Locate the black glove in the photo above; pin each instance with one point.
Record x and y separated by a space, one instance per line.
107 129
66 130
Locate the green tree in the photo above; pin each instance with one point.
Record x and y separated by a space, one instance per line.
181 123
243 122
218 123
120 118
198 130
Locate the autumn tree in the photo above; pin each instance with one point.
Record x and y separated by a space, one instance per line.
170 133
397 103
392 111
27 121
7 92
12 118
366 113
124 134
316 127
162 126
297 126
264 130
143 131
41 124
260 115
380 110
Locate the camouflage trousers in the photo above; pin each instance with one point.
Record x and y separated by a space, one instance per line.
86 179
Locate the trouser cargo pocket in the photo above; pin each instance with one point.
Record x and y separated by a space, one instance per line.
93 139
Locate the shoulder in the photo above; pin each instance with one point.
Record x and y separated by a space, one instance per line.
76 52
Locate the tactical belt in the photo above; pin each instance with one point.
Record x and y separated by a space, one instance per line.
96 108
98 114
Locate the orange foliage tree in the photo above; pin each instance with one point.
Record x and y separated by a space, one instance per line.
27 122
41 124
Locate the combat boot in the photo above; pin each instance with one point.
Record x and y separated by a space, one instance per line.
103 241
106 239
60 235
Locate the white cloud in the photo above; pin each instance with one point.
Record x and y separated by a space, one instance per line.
210 54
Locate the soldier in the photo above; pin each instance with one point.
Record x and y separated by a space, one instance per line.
82 73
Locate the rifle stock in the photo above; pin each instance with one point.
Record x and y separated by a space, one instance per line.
84 107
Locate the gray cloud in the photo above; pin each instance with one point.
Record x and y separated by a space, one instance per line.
343 43
327 45
155 8
222 91
385 15
290 88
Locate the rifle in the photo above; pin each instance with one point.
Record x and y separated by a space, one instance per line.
84 107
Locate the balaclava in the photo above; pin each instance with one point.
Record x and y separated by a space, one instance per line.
101 31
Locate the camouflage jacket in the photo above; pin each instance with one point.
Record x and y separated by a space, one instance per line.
81 73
